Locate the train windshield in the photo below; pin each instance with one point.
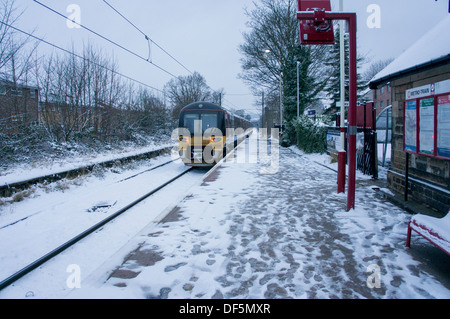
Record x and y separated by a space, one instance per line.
206 120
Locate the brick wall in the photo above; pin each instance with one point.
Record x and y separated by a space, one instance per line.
18 106
429 178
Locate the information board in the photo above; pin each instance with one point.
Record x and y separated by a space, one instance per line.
426 125
334 141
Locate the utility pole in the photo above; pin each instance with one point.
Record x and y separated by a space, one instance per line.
262 110
341 151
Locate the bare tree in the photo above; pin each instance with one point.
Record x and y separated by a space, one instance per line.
218 96
185 90
8 45
79 93
374 68
16 53
15 58
155 115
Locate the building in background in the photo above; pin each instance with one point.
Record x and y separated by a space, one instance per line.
19 105
382 97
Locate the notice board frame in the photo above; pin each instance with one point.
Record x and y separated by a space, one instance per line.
439 153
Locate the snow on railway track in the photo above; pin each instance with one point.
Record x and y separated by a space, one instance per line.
32 228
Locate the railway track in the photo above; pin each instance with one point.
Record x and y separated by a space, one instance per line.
30 267
8 189
122 180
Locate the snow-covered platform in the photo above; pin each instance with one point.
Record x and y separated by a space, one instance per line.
266 227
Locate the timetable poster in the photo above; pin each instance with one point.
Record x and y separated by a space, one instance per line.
443 126
410 126
426 126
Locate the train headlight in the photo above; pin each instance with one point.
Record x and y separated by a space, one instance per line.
215 139
183 139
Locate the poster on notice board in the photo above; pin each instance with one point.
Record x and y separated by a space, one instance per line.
410 126
443 125
426 126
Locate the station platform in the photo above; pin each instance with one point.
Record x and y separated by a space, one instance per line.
266 226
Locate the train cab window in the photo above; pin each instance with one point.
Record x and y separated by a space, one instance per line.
189 121
207 121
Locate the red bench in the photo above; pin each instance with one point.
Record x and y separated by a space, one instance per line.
435 230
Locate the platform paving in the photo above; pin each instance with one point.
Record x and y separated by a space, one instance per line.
246 233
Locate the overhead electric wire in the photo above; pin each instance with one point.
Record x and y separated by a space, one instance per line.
122 47
79 56
105 38
147 37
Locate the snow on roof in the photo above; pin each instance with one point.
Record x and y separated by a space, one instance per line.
433 46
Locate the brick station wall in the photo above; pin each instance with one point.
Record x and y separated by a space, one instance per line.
429 178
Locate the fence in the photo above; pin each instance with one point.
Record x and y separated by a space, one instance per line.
366 140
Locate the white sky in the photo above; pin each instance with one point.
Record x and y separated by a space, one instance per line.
204 35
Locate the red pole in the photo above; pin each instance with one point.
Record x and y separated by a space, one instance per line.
352 115
408 235
351 18
341 172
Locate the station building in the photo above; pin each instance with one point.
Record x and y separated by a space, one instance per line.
419 80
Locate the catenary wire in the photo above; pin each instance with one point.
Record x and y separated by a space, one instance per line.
146 36
149 39
79 56
120 46
106 39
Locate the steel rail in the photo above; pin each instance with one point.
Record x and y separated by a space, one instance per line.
21 273
52 177
127 178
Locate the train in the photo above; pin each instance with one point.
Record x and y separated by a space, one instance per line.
206 132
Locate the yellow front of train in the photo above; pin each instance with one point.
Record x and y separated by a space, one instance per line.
202 134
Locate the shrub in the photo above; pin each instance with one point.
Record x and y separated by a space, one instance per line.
310 135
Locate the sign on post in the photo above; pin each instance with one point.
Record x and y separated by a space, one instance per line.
319 30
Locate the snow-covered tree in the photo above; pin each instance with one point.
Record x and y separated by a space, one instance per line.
270 53
188 89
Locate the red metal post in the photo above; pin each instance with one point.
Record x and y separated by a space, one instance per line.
408 235
342 156
352 114
351 131
341 172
